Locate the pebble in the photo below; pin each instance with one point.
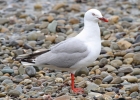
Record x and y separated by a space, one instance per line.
81 71
116 80
107 79
136 58
52 26
7 81
123 45
7 69
59 80
130 78
30 70
64 97
116 63
14 93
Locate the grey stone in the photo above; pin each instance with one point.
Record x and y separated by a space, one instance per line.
107 79
6 81
134 94
81 71
3 20
14 93
92 86
7 69
30 70
52 26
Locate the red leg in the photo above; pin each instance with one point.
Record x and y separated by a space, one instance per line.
75 90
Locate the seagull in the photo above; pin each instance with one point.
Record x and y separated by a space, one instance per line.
73 53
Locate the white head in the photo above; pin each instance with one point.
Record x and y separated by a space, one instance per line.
94 15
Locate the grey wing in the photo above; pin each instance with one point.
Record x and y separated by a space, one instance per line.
64 54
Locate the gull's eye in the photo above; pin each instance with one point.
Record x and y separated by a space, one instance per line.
93 14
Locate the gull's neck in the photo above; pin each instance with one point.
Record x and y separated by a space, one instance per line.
90 31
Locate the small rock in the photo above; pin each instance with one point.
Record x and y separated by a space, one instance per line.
114 19
14 93
7 81
2 95
91 86
107 79
32 36
134 94
128 61
7 69
3 20
59 80
50 18
116 63
137 39
114 46
27 81
103 62
73 21
106 43
130 78
116 80
38 6
59 39
110 68
52 26
43 25
123 45
125 70
75 7
64 97
136 59
58 6
81 71
29 27
129 55
30 70
136 71
94 94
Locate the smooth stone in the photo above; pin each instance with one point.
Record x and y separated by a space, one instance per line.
134 87
134 94
128 60
1 74
106 33
50 18
136 71
125 70
125 24
81 71
2 94
116 80
43 25
38 6
128 19
94 94
64 97
32 36
2 78
14 93
32 43
120 35
91 86
116 63
137 39
30 70
107 79
29 27
45 31
114 46
36 89
3 20
18 79
110 68
59 80
7 69
123 44
59 39
103 62
27 81
19 88
21 70
114 19
52 26
104 74
106 43
136 58
129 55
131 79
58 6
137 49
73 21
7 81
